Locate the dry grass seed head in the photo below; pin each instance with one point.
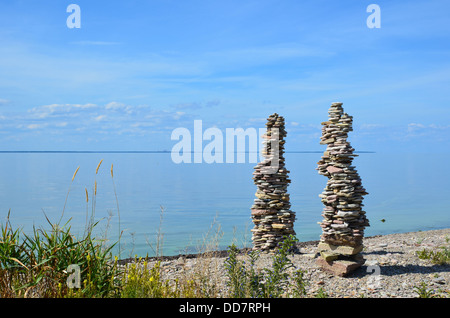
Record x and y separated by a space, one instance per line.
98 166
75 173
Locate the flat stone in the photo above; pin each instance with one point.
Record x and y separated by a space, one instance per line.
327 141
332 169
346 214
261 212
439 280
339 267
339 249
329 256
279 226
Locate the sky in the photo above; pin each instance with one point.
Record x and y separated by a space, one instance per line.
136 70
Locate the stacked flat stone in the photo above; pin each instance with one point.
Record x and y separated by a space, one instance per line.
271 214
343 217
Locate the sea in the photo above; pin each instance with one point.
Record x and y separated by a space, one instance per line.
145 204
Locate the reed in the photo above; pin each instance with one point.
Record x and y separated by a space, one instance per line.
37 264
157 247
98 166
68 191
117 203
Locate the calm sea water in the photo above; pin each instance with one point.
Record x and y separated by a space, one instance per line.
408 191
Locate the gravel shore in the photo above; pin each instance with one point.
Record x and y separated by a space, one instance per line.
392 268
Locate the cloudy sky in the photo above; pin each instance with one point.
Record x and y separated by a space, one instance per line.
136 70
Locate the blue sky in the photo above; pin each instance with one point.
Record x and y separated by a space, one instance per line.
136 70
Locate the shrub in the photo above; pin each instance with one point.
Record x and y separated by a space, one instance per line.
274 282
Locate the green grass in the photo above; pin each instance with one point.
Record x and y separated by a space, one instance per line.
35 265
244 280
38 263
439 257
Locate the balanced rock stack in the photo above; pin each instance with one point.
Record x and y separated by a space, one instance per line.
343 218
271 212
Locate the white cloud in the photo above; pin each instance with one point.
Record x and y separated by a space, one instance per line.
142 124
54 110
258 119
178 115
87 120
431 132
115 105
439 127
188 106
198 105
36 126
100 118
418 127
414 127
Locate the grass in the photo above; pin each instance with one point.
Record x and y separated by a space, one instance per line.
426 291
246 281
439 257
35 265
41 265
51 262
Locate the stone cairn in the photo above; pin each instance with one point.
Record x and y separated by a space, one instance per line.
271 212
343 218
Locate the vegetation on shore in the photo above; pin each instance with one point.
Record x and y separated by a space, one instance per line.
38 266
54 263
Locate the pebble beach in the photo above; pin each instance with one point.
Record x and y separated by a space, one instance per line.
392 268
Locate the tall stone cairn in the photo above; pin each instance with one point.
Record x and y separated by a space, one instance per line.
271 212
343 217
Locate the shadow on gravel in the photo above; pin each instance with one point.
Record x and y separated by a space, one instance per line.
391 270
381 253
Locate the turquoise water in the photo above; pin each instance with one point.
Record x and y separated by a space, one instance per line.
408 191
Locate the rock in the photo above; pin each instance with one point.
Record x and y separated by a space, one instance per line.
439 280
329 256
180 261
271 214
342 249
332 169
310 255
279 226
344 218
339 267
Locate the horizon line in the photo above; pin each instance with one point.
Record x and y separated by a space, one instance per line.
150 151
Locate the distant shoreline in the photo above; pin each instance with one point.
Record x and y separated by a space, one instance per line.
143 151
